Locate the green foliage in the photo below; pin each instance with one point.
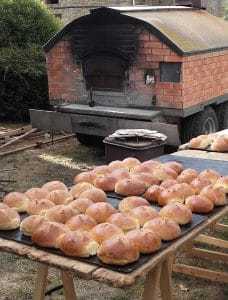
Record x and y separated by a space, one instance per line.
25 25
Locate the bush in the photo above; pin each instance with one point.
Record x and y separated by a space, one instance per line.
25 25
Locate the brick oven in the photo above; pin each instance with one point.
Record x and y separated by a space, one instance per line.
163 68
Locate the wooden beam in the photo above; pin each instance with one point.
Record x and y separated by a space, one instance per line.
68 286
14 132
41 282
207 254
201 273
18 138
166 280
152 283
221 227
205 239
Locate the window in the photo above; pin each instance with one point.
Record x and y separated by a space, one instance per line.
170 72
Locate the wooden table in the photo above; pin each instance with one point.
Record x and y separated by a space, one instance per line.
157 270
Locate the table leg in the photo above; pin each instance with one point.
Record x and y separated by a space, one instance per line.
151 284
165 279
41 282
68 285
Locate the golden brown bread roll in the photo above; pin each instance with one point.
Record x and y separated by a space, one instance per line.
118 250
147 166
55 185
166 229
187 176
220 144
222 182
104 231
39 207
164 173
210 175
186 189
106 183
18 201
129 203
198 184
173 194
176 166
101 170
168 183
85 177
9 219
199 204
60 197
120 174
147 178
2 205
94 194
31 223
153 193
78 244
101 211
130 187
81 204
123 221
143 214
60 214
146 241
81 222
37 193
201 142
48 234
177 212
79 188
216 195
131 162
116 164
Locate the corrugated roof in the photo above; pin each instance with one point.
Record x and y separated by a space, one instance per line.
186 30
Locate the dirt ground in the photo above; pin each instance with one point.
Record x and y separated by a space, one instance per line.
63 161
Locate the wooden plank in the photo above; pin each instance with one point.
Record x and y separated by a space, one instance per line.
14 132
82 269
206 239
221 227
41 282
16 139
68 286
152 283
165 280
207 254
201 273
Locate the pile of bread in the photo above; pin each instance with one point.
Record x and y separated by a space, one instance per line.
213 142
81 222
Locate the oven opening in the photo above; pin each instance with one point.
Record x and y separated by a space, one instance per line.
105 73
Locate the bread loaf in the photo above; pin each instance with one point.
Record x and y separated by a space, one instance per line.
60 214
153 193
124 221
94 194
18 201
9 219
85 177
105 231
199 204
177 212
130 187
79 188
39 207
80 205
101 211
60 197
81 222
222 182
37 193
143 214
31 223
129 203
55 185
220 144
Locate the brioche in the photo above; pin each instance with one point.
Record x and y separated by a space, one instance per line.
123 221
79 188
120 174
200 142
164 173
81 222
166 229
147 178
143 214
173 194
185 189
81 204
216 195
106 183
78 244
85 177
37 193
129 203
31 223
187 176
60 214
39 207
168 183
131 162
210 175
220 144
104 231
146 241
177 212
9 219
222 182
55 185
101 170
94 194
101 211
60 197
153 193
176 166
118 250
199 204
115 165
130 187
48 234
198 184
18 201
2 205
147 166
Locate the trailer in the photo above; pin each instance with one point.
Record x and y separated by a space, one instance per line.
162 68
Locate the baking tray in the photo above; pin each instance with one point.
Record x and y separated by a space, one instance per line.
16 235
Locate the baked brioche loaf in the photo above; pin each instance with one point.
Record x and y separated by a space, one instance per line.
104 231
54 185
216 195
222 182
85 177
210 175
147 178
177 212
153 193
81 222
39 207
81 204
106 183
220 144
199 183
9 219
143 214
18 201
176 166
101 211
31 223
130 187
123 221
60 214
79 188
199 204
129 203
37 193
60 197
94 194
131 163
201 142
187 176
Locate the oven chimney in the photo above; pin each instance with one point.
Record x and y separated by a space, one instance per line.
200 4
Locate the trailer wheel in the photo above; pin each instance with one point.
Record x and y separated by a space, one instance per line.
204 122
88 140
222 113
